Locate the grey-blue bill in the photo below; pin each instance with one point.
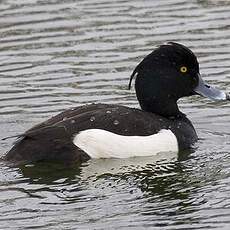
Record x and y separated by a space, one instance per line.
210 91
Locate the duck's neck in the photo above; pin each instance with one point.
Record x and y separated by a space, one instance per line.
166 108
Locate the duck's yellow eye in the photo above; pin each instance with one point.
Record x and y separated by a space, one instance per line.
183 69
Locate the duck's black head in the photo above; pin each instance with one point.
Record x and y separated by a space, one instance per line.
167 74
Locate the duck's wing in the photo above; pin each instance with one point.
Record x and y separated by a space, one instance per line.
115 118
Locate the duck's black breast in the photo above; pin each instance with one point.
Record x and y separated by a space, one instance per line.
53 139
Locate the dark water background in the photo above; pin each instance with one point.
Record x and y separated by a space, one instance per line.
57 54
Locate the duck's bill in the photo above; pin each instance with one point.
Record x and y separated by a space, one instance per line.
210 92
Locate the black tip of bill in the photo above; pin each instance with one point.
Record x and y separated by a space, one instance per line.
228 96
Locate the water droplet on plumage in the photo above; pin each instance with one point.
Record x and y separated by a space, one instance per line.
29 165
72 121
108 111
92 118
116 122
65 118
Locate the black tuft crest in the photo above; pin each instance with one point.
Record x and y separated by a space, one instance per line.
131 78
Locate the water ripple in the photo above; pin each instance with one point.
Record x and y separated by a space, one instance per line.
59 54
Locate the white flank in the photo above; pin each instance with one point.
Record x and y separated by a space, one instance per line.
98 143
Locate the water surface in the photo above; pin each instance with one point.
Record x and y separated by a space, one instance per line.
59 54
